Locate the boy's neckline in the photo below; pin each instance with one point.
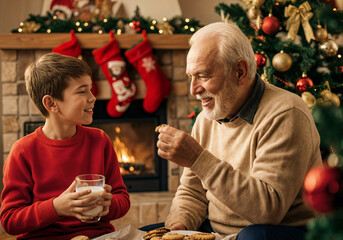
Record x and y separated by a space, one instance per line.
62 142
54 134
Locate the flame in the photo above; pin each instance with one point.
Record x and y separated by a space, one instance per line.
127 162
122 151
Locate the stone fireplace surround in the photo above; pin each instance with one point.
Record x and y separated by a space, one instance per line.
19 50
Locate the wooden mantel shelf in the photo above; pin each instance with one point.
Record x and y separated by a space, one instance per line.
89 40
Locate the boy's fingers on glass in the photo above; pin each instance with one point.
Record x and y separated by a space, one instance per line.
104 213
81 193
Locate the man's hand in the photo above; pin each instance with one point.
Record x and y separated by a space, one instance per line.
177 226
178 146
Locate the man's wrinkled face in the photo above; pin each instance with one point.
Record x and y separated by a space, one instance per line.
210 81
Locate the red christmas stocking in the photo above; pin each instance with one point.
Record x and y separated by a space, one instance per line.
113 66
158 86
72 48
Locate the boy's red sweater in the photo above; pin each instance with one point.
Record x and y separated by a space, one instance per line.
38 169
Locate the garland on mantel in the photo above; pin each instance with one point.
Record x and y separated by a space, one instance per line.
51 24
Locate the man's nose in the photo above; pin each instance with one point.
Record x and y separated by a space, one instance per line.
195 87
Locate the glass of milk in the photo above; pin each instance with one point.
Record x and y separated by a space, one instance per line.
94 182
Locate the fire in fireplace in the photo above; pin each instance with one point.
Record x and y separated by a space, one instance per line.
134 141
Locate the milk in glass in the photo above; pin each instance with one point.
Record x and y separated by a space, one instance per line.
96 190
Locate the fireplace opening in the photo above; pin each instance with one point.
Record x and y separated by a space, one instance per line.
134 140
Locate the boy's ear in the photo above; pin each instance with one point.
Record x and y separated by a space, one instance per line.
50 104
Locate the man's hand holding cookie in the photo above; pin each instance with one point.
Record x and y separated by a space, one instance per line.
177 146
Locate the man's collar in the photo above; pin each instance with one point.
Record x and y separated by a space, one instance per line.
249 109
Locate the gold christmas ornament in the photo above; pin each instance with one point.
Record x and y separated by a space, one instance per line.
328 48
321 34
165 28
295 17
254 13
282 61
30 27
329 99
309 99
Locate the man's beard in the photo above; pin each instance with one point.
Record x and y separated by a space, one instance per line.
222 102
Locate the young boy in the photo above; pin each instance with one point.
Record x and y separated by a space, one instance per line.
39 199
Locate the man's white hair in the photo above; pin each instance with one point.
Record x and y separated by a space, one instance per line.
232 44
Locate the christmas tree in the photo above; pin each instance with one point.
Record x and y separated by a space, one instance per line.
296 48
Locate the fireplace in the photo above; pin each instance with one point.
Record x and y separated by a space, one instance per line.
20 50
134 141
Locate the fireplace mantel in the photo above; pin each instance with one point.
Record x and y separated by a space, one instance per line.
89 40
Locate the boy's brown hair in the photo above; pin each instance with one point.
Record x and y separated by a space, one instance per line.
50 76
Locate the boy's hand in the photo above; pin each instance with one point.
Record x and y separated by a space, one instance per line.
107 196
69 204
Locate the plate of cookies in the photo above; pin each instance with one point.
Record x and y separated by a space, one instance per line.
165 234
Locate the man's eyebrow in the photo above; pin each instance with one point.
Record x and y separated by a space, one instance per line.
197 72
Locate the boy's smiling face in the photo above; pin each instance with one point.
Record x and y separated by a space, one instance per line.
78 102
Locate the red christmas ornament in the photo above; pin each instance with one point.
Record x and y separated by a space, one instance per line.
270 24
260 60
340 69
303 83
323 188
136 25
192 114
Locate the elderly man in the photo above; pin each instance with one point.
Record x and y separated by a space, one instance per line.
250 150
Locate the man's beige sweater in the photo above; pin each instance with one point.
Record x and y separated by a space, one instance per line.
250 173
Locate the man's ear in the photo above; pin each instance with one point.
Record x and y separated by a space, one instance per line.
50 104
242 71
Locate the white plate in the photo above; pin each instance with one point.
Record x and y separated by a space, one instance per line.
184 232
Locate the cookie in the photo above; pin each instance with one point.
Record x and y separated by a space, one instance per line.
80 237
188 238
203 236
157 129
156 238
153 235
158 232
173 236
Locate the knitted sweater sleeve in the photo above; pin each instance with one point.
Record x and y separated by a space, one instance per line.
189 205
18 213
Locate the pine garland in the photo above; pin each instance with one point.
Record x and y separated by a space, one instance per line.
51 24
